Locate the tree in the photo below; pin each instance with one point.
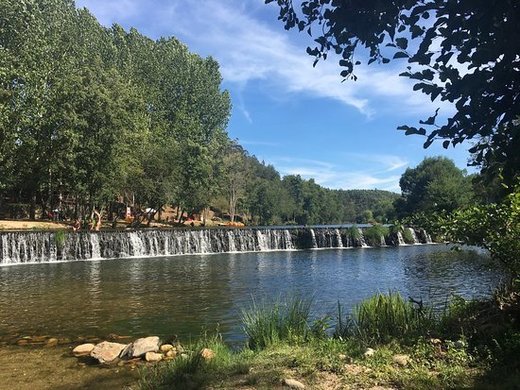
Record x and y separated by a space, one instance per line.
236 173
460 51
435 185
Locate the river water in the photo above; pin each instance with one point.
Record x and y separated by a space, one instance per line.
183 295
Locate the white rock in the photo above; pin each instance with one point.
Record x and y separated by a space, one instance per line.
153 357
293 384
106 352
369 352
83 349
143 345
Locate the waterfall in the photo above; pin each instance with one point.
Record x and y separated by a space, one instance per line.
36 247
95 252
313 237
412 232
362 241
400 239
339 242
288 244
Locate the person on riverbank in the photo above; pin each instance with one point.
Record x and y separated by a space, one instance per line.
77 225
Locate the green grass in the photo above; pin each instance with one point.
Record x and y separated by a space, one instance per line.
385 317
374 233
283 342
407 236
266 324
60 237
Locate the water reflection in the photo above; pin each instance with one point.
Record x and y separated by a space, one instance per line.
182 295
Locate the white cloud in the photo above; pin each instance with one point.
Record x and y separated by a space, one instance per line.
251 46
344 176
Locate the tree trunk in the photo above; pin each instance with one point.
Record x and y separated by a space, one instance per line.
32 207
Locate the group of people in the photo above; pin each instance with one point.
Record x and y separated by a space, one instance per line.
94 225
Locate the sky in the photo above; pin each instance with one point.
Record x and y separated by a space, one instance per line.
302 119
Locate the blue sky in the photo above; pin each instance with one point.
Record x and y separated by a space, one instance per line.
301 119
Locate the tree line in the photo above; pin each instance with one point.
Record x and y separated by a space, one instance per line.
95 118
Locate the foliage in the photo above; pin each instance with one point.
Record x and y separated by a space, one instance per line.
457 52
435 185
495 227
89 114
59 238
407 236
383 318
454 360
269 324
375 235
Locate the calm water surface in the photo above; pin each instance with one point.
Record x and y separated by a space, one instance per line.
185 294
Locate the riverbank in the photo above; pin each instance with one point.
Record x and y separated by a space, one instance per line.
41 368
387 343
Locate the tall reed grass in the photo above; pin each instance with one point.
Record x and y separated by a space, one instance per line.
266 324
385 317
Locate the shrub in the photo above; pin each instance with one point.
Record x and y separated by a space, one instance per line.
383 318
268 324
374 233
407 236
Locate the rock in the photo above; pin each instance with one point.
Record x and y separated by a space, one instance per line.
52 342
153 357
207 354
293 384
369 352
83 349
171 354
141 346
167 347
107 352
401 360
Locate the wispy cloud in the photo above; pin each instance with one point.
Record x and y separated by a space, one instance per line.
343 176
249 48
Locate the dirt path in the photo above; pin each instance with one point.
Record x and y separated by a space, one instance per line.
28 225
26 368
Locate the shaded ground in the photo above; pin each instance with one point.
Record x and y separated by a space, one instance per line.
54 368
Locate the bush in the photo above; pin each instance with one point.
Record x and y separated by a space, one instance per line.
383 318
374 233
407 236
268 324
495 227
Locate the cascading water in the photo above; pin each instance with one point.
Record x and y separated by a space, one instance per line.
400 239
414 236
362 241
35 247
313 237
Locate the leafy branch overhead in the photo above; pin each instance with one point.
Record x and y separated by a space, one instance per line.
463 52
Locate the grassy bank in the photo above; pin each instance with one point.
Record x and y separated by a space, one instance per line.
387 342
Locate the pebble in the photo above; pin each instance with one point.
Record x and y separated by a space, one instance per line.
153 357
167 347
369 352
83 349
52 342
